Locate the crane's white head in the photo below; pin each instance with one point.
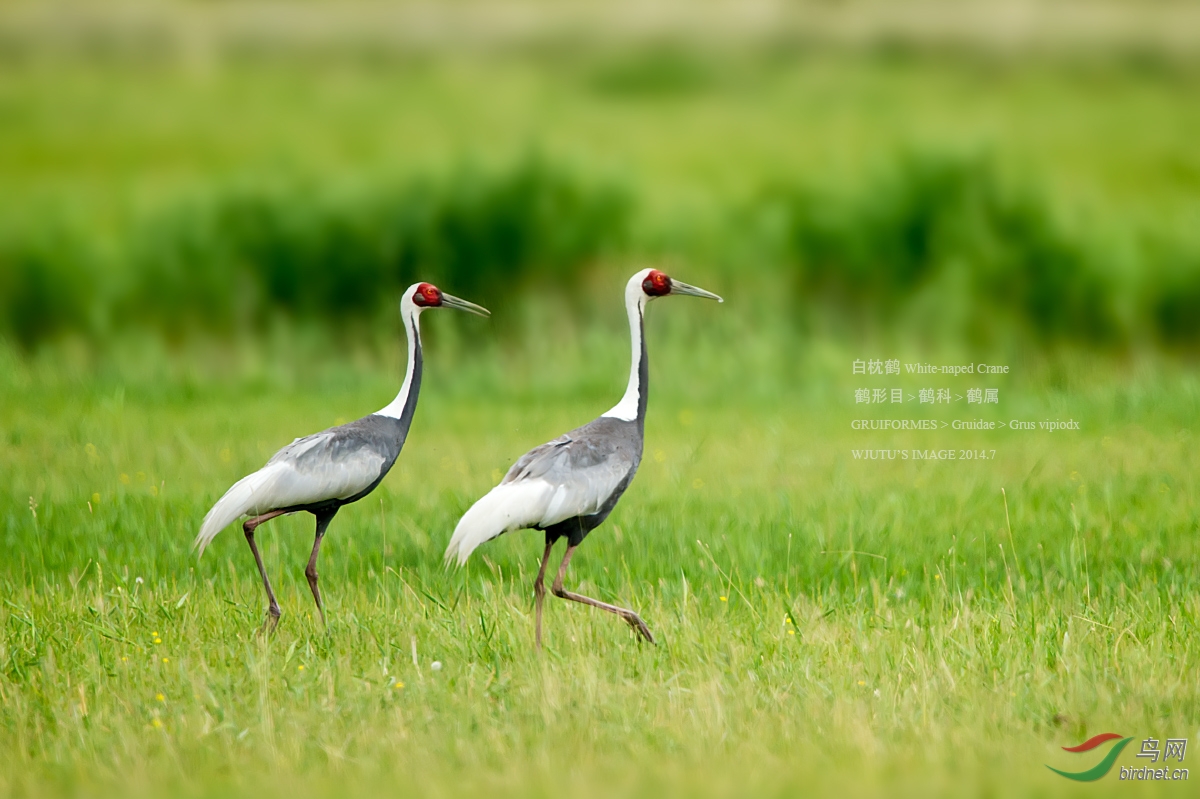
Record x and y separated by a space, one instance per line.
651 284
423 296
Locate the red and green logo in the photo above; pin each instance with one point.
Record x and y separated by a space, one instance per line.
1104 766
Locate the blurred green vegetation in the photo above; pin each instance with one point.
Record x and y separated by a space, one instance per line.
873 249
928 223
1039 203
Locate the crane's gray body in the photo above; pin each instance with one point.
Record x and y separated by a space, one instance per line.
324 471
354 456
366 448
599 458
603 453
566 487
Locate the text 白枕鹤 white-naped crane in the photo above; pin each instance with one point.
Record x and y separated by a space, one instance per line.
568 486
322 472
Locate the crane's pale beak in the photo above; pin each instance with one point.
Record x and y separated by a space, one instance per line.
679 287
450 301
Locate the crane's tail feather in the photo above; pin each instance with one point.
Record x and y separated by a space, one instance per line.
238 501
508 506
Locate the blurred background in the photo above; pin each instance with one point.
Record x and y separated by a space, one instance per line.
1016 176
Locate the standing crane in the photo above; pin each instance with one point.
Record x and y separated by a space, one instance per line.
322 472
567 487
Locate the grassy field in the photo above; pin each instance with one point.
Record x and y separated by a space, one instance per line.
819 617
825 623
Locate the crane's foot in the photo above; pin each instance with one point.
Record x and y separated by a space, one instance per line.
631 618
271 622
635 621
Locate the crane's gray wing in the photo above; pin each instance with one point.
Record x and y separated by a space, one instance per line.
577 474
575 478
581 472
328 465
574 475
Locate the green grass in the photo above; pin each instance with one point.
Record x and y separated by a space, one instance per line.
823 622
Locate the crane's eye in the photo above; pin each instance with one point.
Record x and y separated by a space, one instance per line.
427 296
656 284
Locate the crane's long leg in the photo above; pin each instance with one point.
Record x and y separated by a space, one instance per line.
539 592
310 571
249 528
634 620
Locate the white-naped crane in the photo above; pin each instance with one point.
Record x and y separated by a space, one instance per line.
322 472
567 487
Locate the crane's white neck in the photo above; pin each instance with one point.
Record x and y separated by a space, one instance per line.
410 313
632 404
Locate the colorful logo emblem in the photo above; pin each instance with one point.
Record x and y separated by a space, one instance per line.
1104 766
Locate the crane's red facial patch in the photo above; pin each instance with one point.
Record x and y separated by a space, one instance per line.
427 295
657 284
